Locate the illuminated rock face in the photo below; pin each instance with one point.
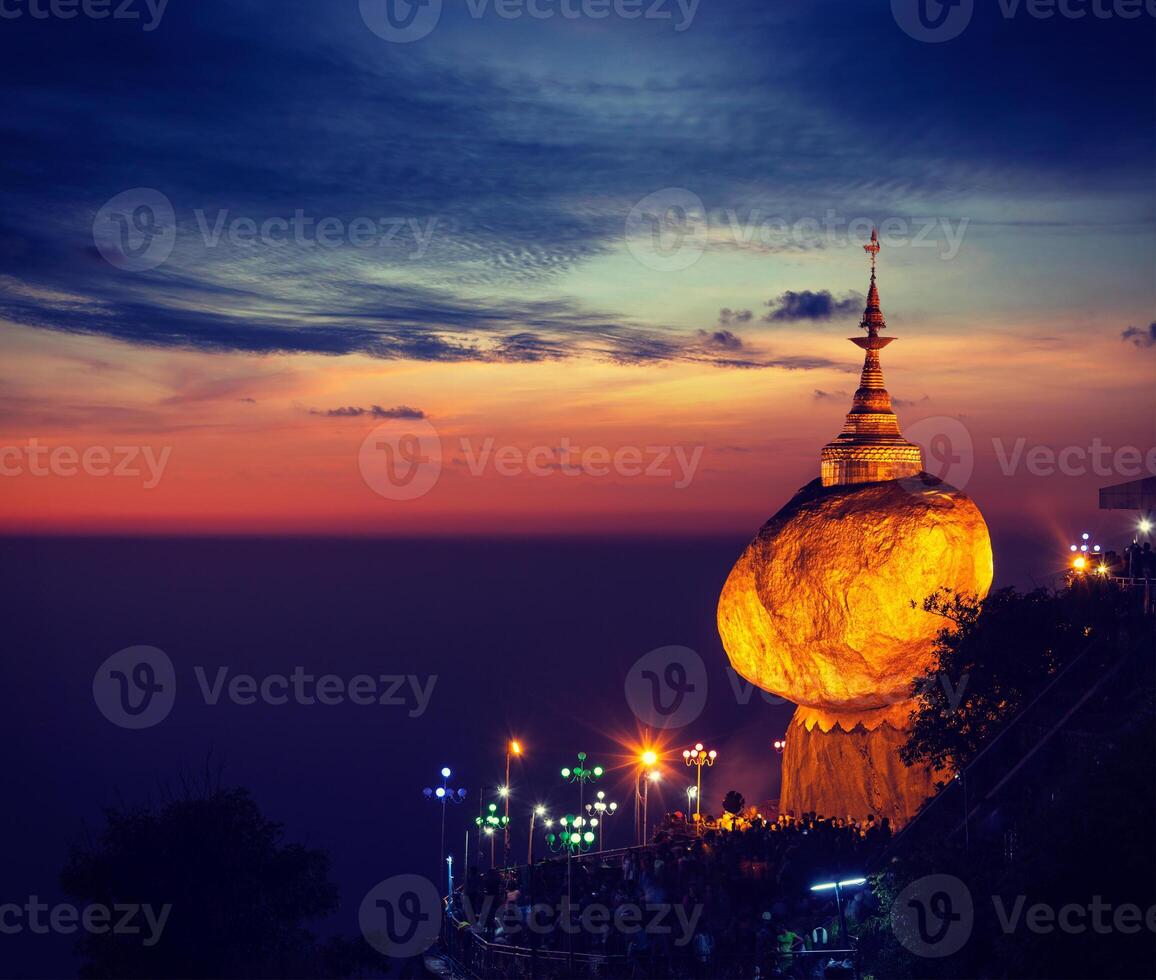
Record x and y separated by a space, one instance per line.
818 609
840 765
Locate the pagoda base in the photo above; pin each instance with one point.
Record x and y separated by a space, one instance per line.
837 764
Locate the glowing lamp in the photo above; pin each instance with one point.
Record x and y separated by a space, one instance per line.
446 772
649 758
847 882
1073 547
565 773
440 792
540 811
1079 563
516 748
1145 525
598 770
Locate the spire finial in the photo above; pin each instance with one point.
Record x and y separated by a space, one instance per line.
872 249
872 320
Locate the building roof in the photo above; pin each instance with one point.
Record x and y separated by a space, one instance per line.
1135 495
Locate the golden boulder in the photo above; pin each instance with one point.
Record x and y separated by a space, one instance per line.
824 607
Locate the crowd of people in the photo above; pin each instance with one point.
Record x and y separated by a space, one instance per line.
725 902
1136 561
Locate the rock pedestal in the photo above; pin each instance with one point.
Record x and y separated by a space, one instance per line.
848 765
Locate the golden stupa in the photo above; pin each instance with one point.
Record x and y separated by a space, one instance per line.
824 607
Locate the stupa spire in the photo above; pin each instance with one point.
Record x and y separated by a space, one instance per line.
870 448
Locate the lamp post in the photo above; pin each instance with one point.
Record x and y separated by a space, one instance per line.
698 757
575 837
488 824
601 810
646 774
443 795
839 886
513 747
651 777
538 811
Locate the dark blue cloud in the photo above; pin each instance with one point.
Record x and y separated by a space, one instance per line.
806 304
523 159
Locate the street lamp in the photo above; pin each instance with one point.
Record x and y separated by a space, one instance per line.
538 811
603 810
839 886
647 760
651 777
513 747
780 744
443 795
491 822
698 757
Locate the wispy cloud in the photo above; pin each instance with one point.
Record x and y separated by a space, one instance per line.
374 412
1140 337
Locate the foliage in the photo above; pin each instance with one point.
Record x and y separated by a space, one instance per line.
239 896
994 657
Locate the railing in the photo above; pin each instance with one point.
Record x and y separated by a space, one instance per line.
1139 582
484 960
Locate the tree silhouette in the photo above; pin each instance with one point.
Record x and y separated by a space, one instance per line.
239 897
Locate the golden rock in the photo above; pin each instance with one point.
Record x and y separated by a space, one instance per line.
824 607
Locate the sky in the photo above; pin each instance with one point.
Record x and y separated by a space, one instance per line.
597 272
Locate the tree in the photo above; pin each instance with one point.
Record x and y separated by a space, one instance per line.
995 655
733 802
239 897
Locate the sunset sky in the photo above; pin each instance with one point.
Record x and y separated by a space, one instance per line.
512 296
